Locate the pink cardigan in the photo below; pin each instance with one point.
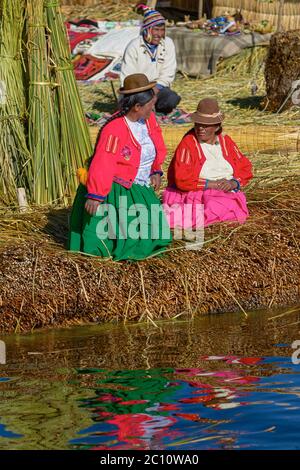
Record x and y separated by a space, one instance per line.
117 157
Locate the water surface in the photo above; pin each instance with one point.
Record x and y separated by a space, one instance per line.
218 382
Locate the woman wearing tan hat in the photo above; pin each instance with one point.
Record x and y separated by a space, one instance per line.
207 171
116 212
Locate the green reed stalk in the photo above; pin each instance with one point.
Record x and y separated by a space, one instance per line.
75 143
15 160
43 134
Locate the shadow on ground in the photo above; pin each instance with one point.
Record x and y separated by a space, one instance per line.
249 102
104 102
57 226
101 107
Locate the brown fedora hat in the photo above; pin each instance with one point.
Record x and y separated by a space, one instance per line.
208 112
136 83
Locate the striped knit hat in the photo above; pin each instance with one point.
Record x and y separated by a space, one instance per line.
151 17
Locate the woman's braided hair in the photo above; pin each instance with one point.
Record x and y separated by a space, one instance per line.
125 104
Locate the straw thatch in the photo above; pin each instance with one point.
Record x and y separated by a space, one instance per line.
256 11
115 10
246 267
282 71
86 3
239 267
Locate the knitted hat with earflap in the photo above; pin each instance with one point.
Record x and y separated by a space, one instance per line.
151 18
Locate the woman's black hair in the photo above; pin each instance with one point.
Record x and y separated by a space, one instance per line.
125 104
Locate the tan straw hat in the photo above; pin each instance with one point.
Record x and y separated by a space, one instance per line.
136 83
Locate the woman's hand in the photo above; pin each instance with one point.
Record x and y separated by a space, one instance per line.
223 185
213 185
91 206
226 185
155 181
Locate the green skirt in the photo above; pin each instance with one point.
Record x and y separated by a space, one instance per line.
129 224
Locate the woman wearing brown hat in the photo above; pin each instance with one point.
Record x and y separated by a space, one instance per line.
207 171
116 212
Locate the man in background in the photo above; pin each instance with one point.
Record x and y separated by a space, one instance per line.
153 54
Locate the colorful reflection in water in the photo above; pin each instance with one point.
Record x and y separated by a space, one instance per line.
218 382
239 405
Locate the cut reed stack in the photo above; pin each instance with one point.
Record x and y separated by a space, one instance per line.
75 143
282 70
250 60
15 162
44 135
43 127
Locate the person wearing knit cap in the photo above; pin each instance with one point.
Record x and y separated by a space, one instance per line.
153 54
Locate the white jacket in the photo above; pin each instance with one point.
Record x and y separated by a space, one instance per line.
137 59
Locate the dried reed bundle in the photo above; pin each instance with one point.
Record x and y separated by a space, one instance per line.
249 61
15 161
57 131
75 144
282 70
44 136
43 126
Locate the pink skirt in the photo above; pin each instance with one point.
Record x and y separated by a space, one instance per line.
193 209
